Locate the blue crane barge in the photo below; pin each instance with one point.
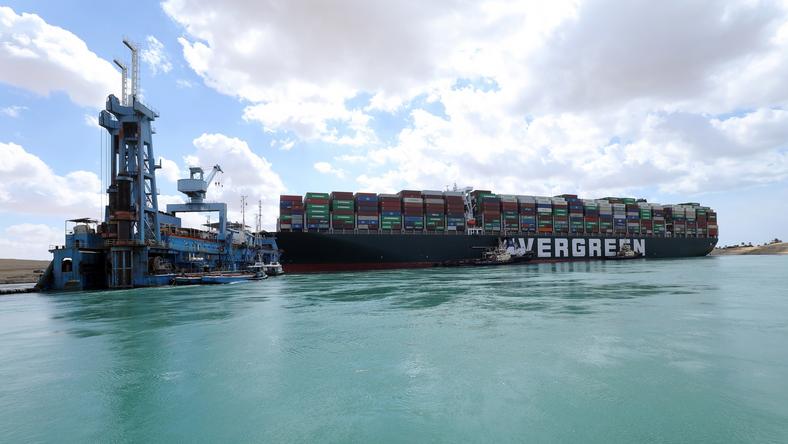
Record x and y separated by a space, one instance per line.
137 245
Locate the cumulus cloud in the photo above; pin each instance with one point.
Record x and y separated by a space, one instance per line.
527 96
327 168
155 56
29 241
245 174
44 58
91 121
169 170
12 111
30 186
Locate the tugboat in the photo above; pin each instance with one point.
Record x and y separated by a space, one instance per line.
624 253
272 269
255 273
495 256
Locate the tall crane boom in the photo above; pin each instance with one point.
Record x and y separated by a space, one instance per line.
216 169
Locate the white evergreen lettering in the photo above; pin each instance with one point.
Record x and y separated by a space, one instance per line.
578 247
543 246
561 247
610 247
595 247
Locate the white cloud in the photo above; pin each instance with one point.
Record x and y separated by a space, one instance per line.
12 111
283 144
169 170
29 241
183 83
91 120
155 56
527 96
312 114
245 173
327 168
44 58
30 186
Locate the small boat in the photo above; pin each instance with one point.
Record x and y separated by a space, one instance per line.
186 280
229 278
496 256
254 273
624 253
272 269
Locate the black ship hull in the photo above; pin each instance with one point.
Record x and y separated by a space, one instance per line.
313 252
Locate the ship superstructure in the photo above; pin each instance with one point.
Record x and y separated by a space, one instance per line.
136 244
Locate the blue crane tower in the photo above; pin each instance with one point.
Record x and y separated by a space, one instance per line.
132 213
136 244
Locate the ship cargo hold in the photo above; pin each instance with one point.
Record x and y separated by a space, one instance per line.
433 228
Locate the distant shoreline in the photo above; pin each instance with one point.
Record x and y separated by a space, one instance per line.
770 249
20 271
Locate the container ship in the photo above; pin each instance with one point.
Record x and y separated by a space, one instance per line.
345 231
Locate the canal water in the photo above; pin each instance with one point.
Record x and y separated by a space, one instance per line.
692 350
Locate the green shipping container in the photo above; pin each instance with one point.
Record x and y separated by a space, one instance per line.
317 195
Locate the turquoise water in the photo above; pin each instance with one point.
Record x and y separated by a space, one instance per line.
692 350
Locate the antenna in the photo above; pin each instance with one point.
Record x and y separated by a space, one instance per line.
124 75
135 68
243 212
259 215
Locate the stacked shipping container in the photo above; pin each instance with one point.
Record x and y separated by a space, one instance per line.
455 211
560 215
487 209
510 213
317 212
527 206
367 211
342 211
544 214
390 212
412 210
434 210
291 213
437 211
590 216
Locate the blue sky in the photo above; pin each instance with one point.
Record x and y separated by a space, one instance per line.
520 97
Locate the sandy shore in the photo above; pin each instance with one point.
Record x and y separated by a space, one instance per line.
781 248
17 271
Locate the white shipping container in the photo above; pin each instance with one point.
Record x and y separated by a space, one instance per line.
412 200
434 201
